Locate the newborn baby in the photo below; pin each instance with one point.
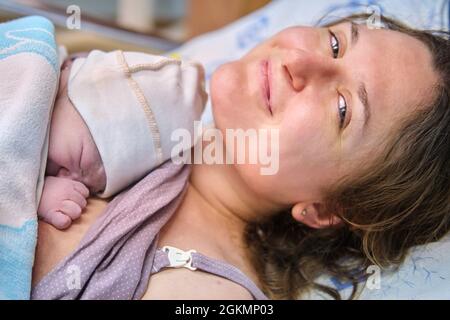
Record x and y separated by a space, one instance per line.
111 125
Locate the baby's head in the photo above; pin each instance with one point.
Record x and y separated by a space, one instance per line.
72 151
115 113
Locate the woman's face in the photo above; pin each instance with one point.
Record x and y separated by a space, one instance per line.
335 94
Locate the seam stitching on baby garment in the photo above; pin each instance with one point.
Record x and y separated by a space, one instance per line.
154 66
156 136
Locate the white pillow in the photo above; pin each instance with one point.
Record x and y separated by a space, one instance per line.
426 273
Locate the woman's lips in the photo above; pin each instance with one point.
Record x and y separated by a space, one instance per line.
265 68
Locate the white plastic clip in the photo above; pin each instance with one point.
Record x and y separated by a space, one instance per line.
179 258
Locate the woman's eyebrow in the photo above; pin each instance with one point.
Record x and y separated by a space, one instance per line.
362 91
362 94
354 31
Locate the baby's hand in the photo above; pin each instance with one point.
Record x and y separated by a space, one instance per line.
62 201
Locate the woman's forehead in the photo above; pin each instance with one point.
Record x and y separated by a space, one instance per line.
399 65
398 71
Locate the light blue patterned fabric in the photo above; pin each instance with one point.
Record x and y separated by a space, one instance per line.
426 273
29 69
32 35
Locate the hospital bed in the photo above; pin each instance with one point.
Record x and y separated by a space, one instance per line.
426 272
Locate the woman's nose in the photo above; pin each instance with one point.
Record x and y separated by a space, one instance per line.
304 67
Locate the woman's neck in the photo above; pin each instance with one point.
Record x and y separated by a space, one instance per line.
213 216
214 213
220 201
221 188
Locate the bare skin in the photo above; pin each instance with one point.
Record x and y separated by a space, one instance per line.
308 84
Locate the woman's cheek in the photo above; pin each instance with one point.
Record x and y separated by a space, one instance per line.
302 145
297 129
221 88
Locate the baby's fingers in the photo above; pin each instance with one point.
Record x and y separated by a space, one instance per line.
71 209
78 198
81 188
56 219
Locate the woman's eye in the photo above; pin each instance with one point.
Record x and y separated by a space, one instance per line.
334 42
342 111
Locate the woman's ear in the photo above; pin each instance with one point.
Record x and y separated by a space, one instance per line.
313 216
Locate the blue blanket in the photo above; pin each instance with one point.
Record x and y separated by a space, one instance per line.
29 69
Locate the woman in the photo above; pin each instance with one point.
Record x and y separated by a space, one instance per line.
363 117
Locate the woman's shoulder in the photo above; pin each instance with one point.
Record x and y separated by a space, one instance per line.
185 284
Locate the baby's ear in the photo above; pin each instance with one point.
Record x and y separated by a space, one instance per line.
313 215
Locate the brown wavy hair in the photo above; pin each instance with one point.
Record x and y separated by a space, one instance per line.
402 199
